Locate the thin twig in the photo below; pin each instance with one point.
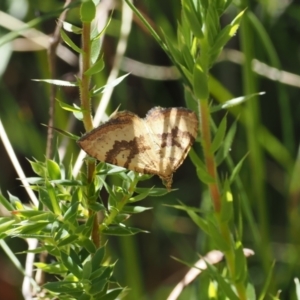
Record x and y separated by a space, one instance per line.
85 99
54 42
14 160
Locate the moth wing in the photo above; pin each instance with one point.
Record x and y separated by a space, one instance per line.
174 130
123 141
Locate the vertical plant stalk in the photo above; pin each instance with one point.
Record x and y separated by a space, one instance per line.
54 42
85 79
216 195
209 156
87 117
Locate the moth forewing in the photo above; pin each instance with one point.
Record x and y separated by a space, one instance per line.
157 144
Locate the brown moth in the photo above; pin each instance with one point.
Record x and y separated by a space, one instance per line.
157 144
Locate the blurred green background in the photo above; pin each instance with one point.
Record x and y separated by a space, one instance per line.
144 261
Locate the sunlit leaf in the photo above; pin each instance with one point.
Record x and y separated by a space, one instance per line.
63 287
134 209
53 169
38 168
6 203
68 107
6 224
54 268
110 85
71 28
15 201
193 17
57 82
233 102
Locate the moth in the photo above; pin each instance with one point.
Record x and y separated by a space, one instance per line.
156 144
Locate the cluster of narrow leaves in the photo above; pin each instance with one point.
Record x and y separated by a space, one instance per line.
199 41
87 13
63 226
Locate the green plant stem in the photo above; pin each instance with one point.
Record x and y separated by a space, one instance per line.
209 157
85 79
216 195
87 118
